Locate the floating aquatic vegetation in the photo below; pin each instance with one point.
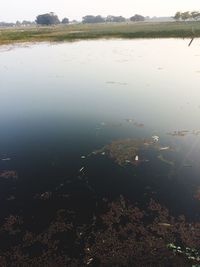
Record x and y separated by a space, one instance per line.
181 133
189 253
136 124
197 194
8 174
128 240
44 196
139 125
12 224
123 238
122 151
128 151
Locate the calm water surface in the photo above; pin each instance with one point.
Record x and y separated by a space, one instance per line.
61 102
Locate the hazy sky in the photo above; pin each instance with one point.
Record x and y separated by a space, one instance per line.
75 9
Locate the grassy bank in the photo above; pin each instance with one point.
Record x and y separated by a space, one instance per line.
95 31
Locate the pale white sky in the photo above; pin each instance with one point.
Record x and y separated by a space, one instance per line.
12 10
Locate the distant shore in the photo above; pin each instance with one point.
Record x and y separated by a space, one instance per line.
98 31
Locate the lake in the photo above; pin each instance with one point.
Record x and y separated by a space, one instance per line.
84 123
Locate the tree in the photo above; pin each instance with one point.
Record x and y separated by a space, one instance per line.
6 24
99 19
177 16
27 22
65 21
93 19
195 15
137 17
47 19
74 21
115 19
109 18
18 23
185 15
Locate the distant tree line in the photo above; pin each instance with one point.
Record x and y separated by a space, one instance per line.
187 15
52 19
110 18
6 24
17 23
44 19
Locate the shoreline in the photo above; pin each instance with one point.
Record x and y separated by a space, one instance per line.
80 32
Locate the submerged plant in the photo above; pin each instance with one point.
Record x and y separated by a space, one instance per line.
189 253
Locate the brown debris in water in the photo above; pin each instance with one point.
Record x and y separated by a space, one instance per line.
139 125
129 241
127 151
44 196
124 235
122 151
12 224
181 133
197 194
8 174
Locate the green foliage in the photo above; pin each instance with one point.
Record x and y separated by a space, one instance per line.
93 19
47 19
189 253
65 21
185 15
115 19
194 15
137 17
177 16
